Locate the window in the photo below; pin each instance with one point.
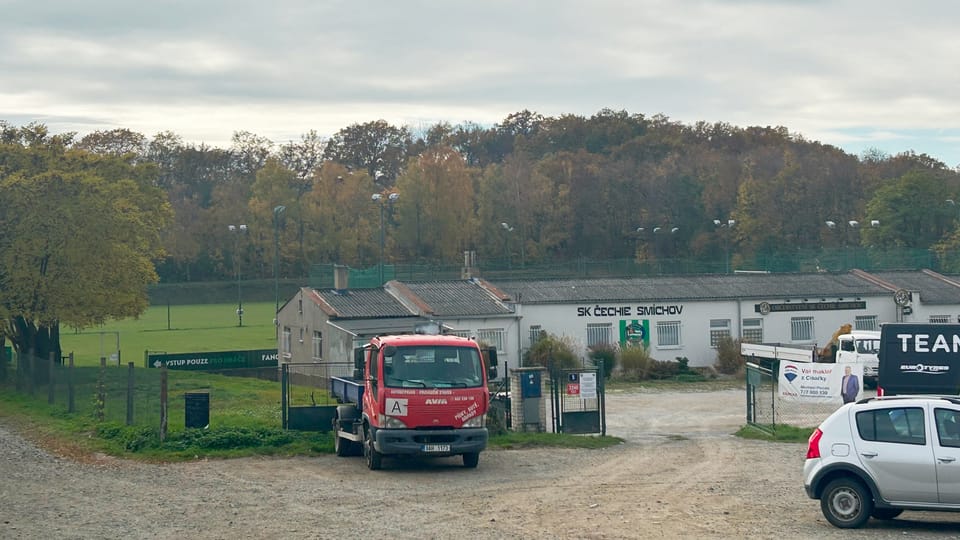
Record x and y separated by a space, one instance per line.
719 329
801 329
940 319
948 427
599 334
459 333
535 334
301 335
668 334
752 330
317 345
286 340
865 322
901 425
492 337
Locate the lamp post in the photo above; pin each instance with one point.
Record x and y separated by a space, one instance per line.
239 230
851 224
277 210
728 225
506 243
378 198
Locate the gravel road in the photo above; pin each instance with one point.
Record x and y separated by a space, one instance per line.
680 474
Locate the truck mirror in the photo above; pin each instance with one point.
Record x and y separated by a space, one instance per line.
358 359
492 356
491 373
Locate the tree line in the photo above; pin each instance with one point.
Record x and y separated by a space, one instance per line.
111 211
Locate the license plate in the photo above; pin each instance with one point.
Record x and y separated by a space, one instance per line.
436 448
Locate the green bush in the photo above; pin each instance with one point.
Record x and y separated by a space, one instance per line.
663 369
729 361
550 349
608 354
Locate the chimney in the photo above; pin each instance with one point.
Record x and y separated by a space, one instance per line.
341 277
469 269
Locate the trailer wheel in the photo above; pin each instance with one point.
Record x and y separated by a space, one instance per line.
374 458
471 460
344 447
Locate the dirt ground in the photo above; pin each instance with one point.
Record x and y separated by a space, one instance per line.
680 474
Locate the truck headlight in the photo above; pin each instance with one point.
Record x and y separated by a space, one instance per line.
392 422
476 421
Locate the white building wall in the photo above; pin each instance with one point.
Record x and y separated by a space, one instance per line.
508 351
694 317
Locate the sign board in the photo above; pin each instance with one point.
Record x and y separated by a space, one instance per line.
210 361
820 383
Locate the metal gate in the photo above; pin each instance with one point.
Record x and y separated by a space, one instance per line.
305 394
579 401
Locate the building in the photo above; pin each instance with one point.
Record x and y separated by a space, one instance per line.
673 316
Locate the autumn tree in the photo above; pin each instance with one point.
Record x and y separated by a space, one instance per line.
81 232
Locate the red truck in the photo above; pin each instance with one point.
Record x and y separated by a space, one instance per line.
415 395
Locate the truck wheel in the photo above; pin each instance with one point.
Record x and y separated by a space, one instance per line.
342 446
846 503
374 458
471 459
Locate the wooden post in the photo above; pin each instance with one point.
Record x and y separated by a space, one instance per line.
130 393
50 380
163 403
101 393
71 401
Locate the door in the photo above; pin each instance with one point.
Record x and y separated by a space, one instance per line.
894 448
947 454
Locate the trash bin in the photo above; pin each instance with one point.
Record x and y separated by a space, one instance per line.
197 409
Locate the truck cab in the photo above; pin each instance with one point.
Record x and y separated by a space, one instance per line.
422 395
861 347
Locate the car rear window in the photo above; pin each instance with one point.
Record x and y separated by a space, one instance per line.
895 425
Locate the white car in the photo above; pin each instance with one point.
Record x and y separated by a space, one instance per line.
880 456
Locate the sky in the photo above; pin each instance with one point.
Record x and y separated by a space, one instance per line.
856 74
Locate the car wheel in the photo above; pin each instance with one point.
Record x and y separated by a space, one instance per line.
374 459
471 460
886 513
846 503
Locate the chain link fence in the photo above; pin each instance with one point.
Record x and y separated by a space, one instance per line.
767 410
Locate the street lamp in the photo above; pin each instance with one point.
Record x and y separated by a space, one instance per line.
726 241
239 229
851 224
277 210
378 198
506 242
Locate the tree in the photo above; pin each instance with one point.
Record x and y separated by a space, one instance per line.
80 235
376 147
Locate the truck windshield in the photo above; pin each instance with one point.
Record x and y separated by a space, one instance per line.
868 346
433 367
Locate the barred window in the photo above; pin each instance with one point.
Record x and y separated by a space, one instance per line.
668 334
865 322
492 337
752 330
599 334
317 345
801 329
940 319
286 339
719 329
535 334
459 333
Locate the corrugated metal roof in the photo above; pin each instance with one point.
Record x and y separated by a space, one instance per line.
934 288
463 298
712 287
364 303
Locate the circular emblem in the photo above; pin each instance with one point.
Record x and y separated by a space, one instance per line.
901 297
764 308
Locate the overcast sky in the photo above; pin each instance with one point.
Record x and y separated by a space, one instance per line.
865 74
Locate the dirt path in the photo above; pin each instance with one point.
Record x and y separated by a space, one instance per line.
680 474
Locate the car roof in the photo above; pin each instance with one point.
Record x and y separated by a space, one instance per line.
913 398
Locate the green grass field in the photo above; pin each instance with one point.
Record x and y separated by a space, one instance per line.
174 329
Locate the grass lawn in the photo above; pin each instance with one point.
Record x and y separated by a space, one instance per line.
182 328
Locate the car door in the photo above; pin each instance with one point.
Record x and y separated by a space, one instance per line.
947 453
894 449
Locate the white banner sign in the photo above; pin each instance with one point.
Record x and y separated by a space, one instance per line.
588 385
820 383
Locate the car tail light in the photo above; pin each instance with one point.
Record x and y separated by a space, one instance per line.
813 444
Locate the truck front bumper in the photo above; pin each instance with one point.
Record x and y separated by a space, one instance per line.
445 442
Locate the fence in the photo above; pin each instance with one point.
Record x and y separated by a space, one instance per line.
767 411
127 395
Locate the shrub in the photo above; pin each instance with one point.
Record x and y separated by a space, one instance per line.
607 353
635 361
549 349
663 369
729 361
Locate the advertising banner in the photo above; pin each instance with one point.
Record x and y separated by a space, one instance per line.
207 361
820 383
